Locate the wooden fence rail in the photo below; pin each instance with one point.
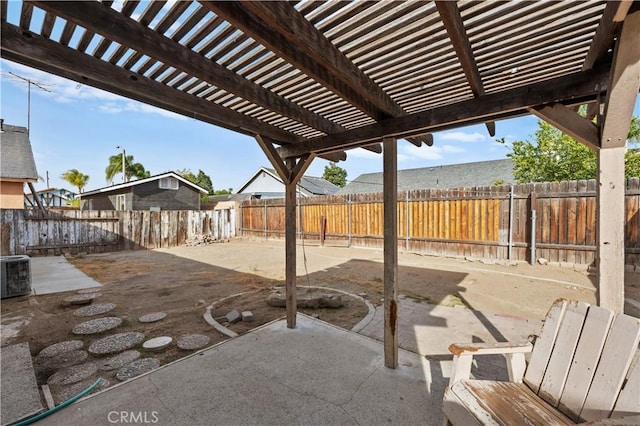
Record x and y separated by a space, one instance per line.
74 231
489 222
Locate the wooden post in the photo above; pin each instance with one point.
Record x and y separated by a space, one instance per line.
621 97
323 229
390 187
290 253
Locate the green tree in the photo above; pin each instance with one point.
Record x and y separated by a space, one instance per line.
132 169
223 191
555 156
76 178
201 179
335 174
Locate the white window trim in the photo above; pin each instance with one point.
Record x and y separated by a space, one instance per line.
169 183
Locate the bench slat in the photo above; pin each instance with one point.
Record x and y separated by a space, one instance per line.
509 403
544 344
557 370
594 334
629 400
618 351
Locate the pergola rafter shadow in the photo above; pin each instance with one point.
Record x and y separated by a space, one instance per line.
312 79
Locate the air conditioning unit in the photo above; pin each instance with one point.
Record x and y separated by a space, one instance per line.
16 276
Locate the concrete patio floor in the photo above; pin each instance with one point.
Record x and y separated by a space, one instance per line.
315 374
54 274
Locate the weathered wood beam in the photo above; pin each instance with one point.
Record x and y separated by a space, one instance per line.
573 88
300 167
274 158
290 253
452 20
285 31
570 122
609 26
128 32
621 98
390 211
38 52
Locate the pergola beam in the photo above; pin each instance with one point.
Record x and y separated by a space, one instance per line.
621 97
38 52
571 123
128 32
452 20
609 26
573 88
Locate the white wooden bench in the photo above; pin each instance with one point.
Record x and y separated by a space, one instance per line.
583 368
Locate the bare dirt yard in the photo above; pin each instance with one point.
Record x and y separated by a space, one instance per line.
183 281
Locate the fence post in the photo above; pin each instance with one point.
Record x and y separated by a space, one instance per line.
265 220
533 228
406 236
510 247
349 227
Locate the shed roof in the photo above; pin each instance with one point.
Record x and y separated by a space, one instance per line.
16 156
310 184
120 186
481 173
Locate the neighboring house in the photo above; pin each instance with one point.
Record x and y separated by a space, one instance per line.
54 197
17 165
481 173
265 183
167 191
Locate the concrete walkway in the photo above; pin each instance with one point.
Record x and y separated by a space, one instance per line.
53 274
316 374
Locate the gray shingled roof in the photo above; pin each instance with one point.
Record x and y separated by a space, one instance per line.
481 173
16 156
314 185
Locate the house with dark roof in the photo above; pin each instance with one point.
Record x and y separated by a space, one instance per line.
54 197
265 183
481 173
166 191
17 165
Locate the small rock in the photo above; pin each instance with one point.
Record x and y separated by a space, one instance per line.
316 316
543 261
200 302
247 316
470 258
157 343
233 317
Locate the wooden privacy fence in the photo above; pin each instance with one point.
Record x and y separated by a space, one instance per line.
74 231
555 221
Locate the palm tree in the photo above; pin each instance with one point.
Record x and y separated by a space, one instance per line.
76 178
132 170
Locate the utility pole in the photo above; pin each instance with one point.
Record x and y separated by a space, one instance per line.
123 163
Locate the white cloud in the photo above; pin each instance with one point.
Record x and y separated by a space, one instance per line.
459 136
148 109
363 153
110 108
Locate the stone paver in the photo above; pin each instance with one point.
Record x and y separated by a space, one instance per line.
96 326
118 361
61 348
64 360
116 343
81 299
91 310
137 368
192 342
63 393
153 317
73 374
157 343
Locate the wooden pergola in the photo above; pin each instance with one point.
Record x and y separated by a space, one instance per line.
313 79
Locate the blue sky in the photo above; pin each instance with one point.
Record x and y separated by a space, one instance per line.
77 126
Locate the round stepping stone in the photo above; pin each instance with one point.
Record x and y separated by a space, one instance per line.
157 343
91 310
64 393
61 348
137 368
153 317
118 361
97 325
193 341
81 299
73 374
64 360
116 343
88 290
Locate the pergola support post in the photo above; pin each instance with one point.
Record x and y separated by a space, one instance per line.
621 97
390 188
290 171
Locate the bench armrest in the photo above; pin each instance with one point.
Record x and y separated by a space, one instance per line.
463 356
